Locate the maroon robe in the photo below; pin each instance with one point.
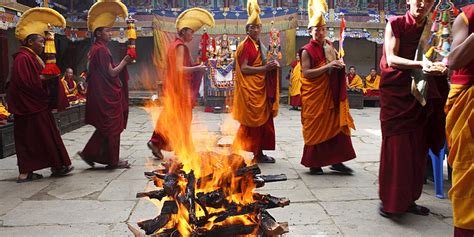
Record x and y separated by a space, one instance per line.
257 139
339 148
106 107
408 129
38 142
184 88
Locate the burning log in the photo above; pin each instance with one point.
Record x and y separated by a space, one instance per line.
253 169
213 199
270 227
152 225
190 197
170 184
270 201
155 194
273 178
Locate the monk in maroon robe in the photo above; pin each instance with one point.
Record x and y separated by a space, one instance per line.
38 142
408 128
181 87
107 103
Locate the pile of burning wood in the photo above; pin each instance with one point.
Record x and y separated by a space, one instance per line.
216 199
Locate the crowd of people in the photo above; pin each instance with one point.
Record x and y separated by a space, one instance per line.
409 127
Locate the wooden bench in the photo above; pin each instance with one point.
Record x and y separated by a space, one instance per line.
371 101
356 99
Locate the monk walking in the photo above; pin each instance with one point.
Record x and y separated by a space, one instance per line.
179 88
459 123
410 124
256 91
37 140
325 112
107 96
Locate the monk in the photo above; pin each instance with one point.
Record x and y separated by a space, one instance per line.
295 84
371 85
107 103
180 88
409 128
354 81
325 111
459 123
38 142
256 92
70 86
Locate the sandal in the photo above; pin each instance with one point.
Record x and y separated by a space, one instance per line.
122 164
385 214
90 163
62 172
31 176
418 210
265 159
155 151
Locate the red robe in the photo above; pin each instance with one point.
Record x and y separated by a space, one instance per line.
259 138
408 129
336 149
106 107
38 142
182 91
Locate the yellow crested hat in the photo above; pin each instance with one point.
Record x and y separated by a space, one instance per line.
194 18
316 10
38 20
104 12
253 11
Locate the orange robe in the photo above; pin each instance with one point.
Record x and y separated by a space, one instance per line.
295 88
354 82
325 114
69 84
255 101
460 130
371 87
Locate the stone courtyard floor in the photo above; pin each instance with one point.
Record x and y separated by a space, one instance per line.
100 202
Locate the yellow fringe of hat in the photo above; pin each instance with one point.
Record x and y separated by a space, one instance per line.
316 10
194 18
38 20
253 11
104 12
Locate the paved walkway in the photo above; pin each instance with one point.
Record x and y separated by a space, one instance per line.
100 202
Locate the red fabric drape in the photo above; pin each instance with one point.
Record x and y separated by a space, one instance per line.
3 60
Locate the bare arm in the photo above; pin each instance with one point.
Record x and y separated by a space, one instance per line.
311 73
462 52
392 45
114 71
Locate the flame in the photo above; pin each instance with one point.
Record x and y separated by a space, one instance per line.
174 120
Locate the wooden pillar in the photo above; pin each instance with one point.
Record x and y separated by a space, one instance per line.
381 7
4 63
331 4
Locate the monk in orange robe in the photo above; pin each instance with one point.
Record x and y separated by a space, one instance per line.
70 86
325 110
409 128
295 84
460 123
372 81
354 81
256 96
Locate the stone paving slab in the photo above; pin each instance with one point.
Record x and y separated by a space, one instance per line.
32 213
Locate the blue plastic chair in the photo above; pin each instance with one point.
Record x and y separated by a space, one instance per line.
437 161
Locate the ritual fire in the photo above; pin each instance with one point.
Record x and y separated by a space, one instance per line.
218 200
